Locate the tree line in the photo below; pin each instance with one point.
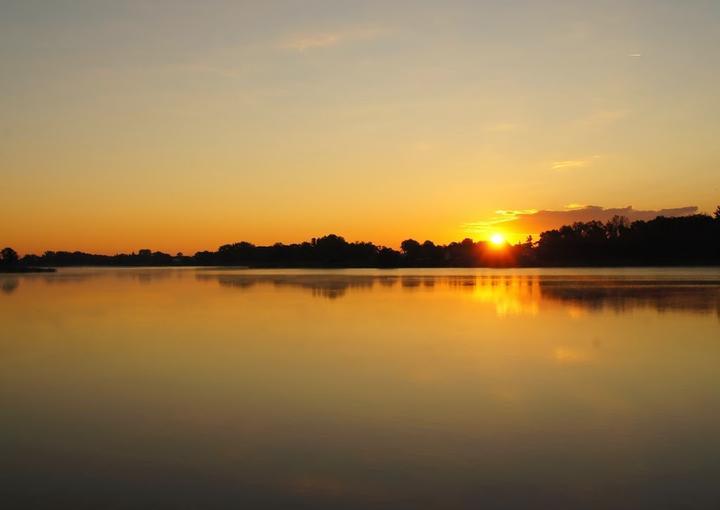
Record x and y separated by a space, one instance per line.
684 240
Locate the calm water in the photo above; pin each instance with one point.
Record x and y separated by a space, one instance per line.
437 389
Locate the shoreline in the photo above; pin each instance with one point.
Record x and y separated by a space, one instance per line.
53 269
23 270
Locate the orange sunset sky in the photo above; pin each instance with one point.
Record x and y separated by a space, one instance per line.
180 126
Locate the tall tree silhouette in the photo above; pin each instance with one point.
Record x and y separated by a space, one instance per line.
8 257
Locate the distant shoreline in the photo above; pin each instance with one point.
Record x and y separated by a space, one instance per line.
662 242
23 269
329 268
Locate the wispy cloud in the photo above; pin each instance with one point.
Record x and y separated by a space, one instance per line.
635 55
312 41
484 227
575 206
306 42
570 163
533 221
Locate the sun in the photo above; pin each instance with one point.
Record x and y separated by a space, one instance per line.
497 239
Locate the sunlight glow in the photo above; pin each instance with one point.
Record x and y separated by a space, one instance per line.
497 239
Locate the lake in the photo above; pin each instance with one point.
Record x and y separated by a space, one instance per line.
360 389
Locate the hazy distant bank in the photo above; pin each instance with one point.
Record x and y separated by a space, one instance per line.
26 269
679 241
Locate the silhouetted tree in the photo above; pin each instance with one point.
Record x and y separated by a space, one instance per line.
387 257
689 240
410 247
412 252
8 257
524 253
617 226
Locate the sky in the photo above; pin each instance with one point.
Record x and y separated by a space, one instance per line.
181 126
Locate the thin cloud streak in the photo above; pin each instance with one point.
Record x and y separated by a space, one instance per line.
571 163
321 40
313 41
532 221
574 163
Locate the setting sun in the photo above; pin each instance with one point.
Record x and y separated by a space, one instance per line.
497 239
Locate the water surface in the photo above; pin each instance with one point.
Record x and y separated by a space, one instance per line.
437 389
